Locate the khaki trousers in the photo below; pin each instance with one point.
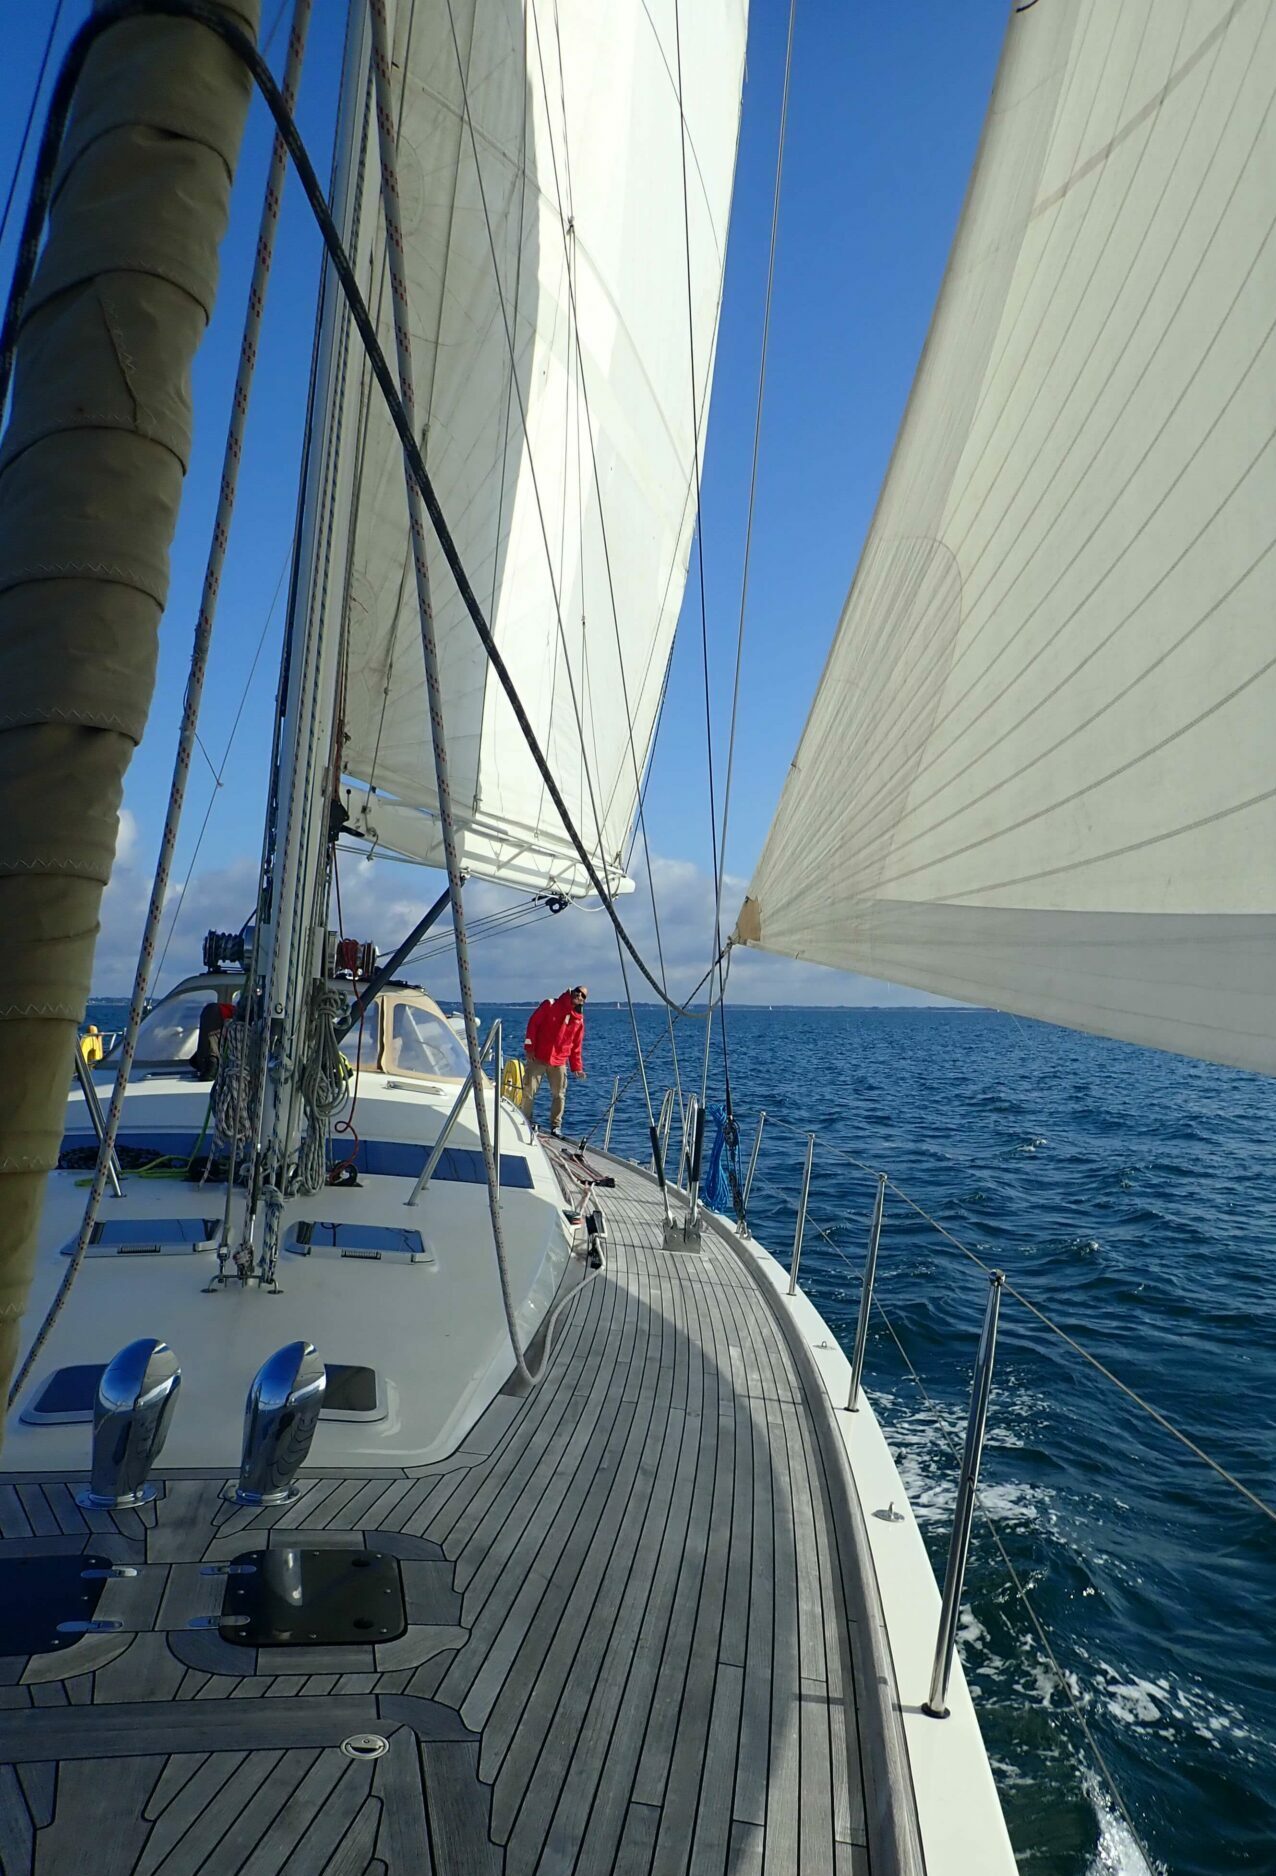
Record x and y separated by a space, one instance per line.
534 1072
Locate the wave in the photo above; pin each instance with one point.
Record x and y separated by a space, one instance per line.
1116 1853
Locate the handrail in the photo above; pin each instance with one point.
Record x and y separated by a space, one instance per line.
1011 1290
493 1040
969 1497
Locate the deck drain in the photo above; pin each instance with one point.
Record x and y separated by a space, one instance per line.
365 1746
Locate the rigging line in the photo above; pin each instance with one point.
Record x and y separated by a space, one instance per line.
660 1040
549 558
1020 1590
638 1055
26 128
748 528
268 224
386 137
239 42
640 784
512 918
382 273
521 923
584 393
699 530
441 938
1152 1412
555 585
220 773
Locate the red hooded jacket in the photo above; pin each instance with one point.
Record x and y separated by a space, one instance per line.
556 1034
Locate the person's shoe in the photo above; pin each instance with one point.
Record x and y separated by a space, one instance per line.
554 1134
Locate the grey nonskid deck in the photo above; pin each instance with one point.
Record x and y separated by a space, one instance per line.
628 1646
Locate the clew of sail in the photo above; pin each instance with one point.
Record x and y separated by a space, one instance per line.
1039 772
540 169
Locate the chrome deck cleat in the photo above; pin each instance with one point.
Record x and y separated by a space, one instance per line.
282 1413
135 1401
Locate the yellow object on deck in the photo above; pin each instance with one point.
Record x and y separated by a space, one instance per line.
512 1080
91 1044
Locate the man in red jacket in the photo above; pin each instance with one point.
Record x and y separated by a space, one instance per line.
555 1038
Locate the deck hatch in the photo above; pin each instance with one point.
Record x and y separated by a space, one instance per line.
352 1393
47 1602
149 1237
351 1238
66 1396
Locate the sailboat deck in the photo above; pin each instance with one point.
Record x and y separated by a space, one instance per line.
628 1650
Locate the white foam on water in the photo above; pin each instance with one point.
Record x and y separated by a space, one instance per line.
1169 1707
1116 1853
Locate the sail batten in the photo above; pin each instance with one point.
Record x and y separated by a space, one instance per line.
540 176
1040 762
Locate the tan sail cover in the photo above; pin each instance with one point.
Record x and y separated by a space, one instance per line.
1040 770
91 470
553 348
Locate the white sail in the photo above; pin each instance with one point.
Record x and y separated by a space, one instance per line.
541 174
1040 770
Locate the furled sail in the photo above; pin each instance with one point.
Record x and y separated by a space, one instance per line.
1040 769
562 364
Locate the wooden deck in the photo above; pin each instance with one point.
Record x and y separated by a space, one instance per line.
629 1647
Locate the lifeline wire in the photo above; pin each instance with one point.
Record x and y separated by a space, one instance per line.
1022 1593
991 1523
1047 1322
1152 1412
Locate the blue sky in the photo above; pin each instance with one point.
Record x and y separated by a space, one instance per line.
886 108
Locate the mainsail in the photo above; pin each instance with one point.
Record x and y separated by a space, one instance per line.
564 305
1040 769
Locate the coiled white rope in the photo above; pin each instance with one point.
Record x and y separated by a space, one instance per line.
322 1084
230 1088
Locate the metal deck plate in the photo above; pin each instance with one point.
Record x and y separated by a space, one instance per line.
303 1598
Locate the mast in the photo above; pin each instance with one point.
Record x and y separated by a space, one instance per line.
91 472
302 787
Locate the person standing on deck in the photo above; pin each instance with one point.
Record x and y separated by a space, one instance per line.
555 1042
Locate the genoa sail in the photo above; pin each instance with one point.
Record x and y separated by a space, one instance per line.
564 298
1039 772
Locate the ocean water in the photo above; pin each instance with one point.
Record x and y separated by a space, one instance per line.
1132 1197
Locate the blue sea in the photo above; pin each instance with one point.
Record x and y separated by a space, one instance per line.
1132 1197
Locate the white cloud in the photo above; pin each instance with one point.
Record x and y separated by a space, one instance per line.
125 838
382 900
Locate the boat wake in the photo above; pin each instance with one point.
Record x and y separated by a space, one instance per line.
1116 1853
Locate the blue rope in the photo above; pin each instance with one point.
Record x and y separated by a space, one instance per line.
717 1185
